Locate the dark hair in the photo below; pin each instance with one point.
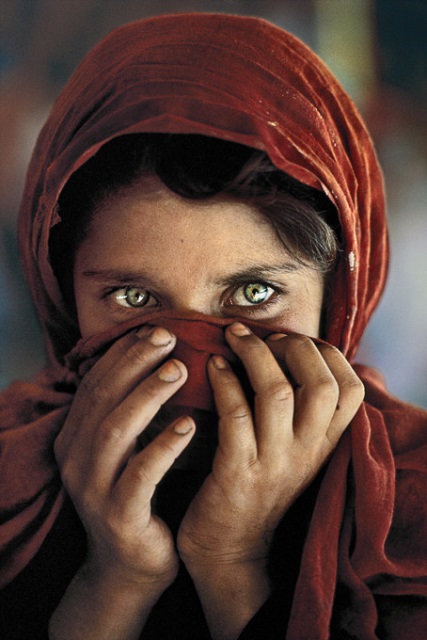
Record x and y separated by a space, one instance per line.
195 167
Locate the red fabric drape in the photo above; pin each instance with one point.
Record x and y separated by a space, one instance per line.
245 80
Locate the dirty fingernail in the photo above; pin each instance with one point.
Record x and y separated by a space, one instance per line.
160 337
219 362
239 329
183 426
170 372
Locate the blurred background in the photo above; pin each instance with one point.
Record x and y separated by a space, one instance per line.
377 48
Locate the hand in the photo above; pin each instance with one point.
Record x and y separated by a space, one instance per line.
265 459
110 484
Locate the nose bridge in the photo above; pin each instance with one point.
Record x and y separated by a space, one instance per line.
188 291
190 299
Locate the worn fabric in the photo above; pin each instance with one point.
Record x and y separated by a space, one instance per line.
245 80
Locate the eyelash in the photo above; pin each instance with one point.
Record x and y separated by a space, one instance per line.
109 293
250 309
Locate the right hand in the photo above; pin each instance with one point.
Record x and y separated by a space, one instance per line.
110 484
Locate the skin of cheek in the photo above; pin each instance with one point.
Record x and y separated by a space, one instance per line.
304 313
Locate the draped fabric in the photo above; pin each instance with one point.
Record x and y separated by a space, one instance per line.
244 80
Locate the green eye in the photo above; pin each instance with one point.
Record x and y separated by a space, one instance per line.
132 297
253 293
256 293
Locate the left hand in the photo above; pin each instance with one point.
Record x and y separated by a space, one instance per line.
267 458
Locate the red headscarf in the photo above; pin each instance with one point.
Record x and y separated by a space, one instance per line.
247 81
240 79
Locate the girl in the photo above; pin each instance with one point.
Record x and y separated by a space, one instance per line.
203 233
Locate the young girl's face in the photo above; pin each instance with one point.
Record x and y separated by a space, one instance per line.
147 248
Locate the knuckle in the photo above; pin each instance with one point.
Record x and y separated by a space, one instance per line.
280 391
100 395
141 472
69 477
87 501
334 357
88 383
300 341
326 388
238 414
326 347
110 431
66 474
90 386
353 389
329 352
297 345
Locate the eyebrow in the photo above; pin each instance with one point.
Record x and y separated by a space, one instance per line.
253 273
259 272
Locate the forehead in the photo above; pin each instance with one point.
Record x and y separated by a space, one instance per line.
150 207
148 226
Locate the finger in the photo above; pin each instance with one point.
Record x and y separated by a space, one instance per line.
316 388
351 391
350 387
115 438
236 435
145 470
274 398
125 363
114 376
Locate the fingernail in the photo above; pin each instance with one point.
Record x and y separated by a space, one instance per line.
170 372
239 329
276 336
160 337
183 426
219 362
